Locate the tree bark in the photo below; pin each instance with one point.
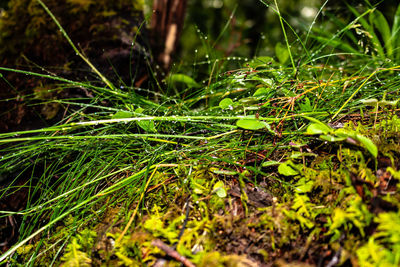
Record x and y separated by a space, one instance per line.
166 27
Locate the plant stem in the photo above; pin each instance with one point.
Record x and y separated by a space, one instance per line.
286 39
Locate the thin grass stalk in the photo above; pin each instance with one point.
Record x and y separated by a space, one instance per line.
286 38
358 89
103 78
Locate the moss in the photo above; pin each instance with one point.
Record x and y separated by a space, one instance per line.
30 40
26 28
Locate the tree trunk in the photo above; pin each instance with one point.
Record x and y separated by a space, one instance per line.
166 28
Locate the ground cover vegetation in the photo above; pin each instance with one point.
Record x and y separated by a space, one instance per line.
283 160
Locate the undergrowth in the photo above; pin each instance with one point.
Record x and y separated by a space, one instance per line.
249 166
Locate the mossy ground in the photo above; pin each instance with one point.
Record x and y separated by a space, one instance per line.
324 203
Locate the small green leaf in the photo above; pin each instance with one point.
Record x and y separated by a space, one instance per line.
304 186
146 125
318 128
270 163
368 144
287 168
219 189
122 114
261 92
226 103
252 124
281 53
139 110
182 78
306 106
266 81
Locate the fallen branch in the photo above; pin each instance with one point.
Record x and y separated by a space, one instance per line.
172 253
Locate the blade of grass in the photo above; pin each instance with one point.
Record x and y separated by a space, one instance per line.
76 50
395 34
286 38
358 89
137 207
380 22
117 186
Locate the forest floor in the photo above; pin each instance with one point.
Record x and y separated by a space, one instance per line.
257 165
253 170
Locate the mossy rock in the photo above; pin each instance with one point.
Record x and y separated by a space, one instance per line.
105 31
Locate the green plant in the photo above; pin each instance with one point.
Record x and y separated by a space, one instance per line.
73 255
334 135
382 248
369 34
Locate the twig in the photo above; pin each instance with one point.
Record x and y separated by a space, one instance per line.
184 222
172 253
336 258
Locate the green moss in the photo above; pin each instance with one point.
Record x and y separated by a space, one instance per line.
104 31
26 25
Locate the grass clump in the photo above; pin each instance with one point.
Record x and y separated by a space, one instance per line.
259 164
369 34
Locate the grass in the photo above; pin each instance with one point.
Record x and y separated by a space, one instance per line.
244 162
